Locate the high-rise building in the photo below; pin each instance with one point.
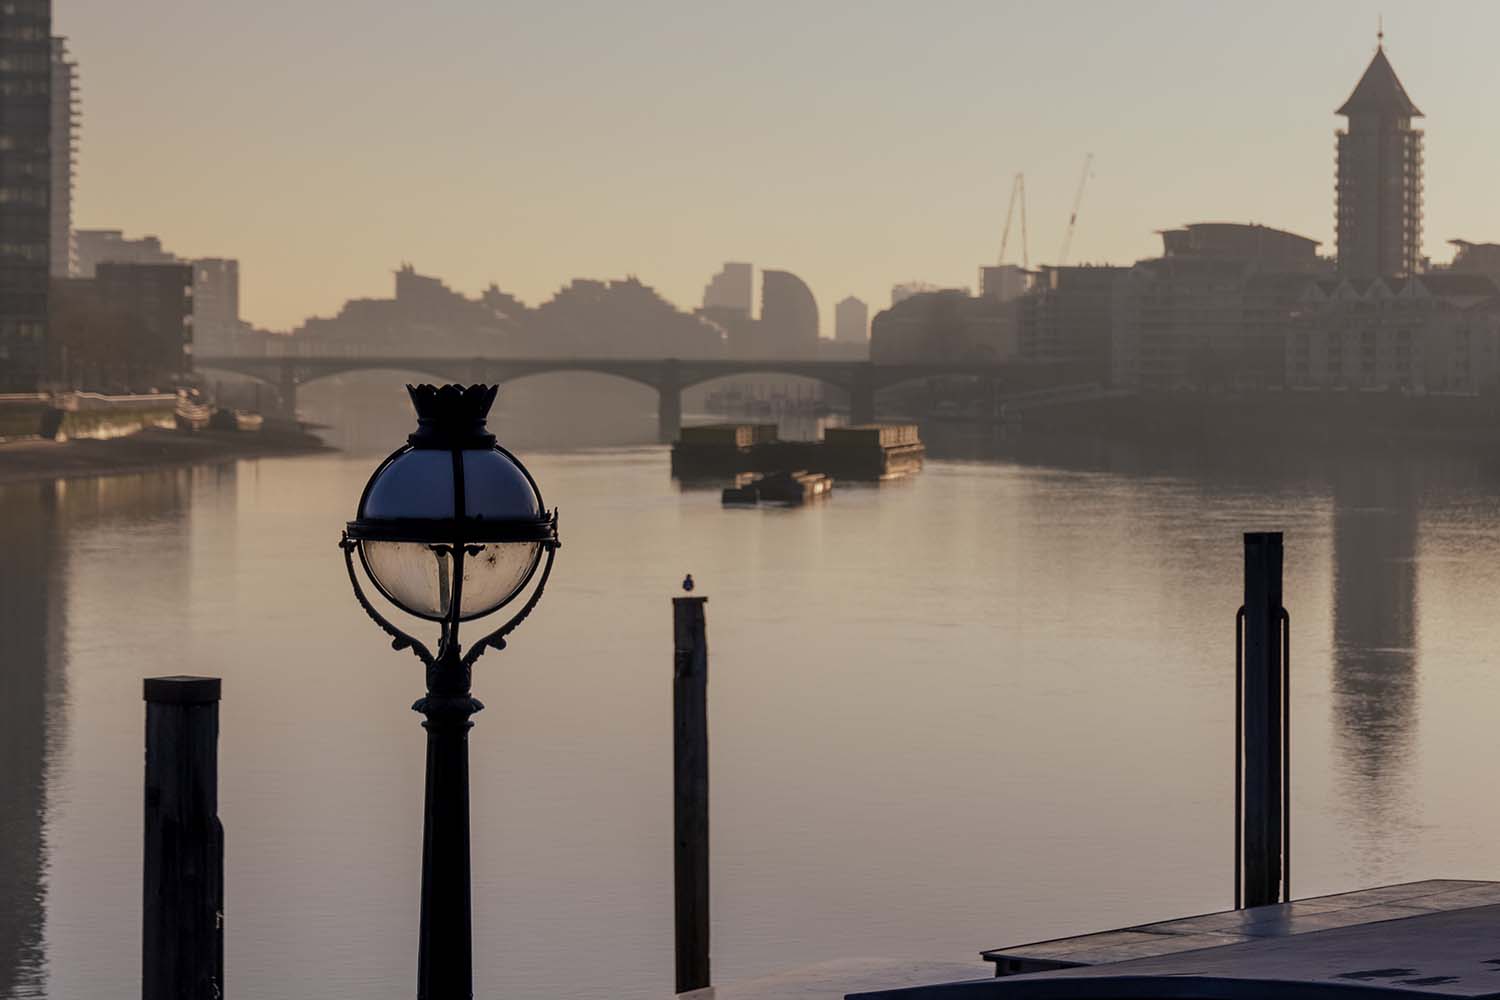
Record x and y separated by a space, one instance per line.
64 152
1379 177
851 321
788 317
732 288
25 176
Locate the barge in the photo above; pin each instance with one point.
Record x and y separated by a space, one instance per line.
868 452
787 488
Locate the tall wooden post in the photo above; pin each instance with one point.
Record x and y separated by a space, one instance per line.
1264 722
690 787
182 934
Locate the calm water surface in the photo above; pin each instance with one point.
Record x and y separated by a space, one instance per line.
985 705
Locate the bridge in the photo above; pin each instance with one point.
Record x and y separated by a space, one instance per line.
861 380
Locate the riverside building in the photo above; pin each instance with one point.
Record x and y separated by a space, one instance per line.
25 179
64 145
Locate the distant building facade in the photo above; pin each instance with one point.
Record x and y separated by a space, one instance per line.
1431 333
128 328
851 321
788 317
160 298
944 326
217 326
64 144
1070 315
1476 258
1211 310
616 319
906 289
93 247
424 317
1004 282
1379 212
25 177
732 288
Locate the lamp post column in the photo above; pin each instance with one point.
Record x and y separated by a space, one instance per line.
445 962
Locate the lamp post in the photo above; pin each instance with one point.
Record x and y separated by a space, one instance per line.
450 529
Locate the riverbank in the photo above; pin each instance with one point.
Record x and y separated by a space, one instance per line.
1276 421
153 448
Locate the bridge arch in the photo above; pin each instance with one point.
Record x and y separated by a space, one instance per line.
691 378
499 373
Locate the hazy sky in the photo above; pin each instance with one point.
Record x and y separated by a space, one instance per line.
323 142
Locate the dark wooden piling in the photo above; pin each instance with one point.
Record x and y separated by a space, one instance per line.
182 933
690 788
1264 722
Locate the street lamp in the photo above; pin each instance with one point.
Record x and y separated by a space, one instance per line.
450 529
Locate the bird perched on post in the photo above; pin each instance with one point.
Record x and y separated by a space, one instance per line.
687 583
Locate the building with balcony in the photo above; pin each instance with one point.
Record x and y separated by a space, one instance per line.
64 143
25 182
1211 311
1431 333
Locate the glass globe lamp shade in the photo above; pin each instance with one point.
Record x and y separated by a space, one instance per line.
451 498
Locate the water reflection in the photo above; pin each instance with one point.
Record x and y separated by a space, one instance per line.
32 616
877 666
1375 679
47 530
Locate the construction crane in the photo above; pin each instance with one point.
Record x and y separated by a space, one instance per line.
1067 243
1017 195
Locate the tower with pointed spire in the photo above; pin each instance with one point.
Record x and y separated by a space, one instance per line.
1379 215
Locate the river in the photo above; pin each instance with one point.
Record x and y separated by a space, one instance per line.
988 704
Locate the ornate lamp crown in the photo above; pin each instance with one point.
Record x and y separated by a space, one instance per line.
452 416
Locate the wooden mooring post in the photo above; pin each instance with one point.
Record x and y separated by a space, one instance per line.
690 789
1262 731
182 933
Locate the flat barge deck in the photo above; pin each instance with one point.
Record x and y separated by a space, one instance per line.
867 452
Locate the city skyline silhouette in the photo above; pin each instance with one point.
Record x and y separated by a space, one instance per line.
532 150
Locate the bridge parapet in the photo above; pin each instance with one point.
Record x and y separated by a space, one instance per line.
668 376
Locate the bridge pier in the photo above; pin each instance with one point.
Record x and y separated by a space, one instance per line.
286 387
862 396
669 403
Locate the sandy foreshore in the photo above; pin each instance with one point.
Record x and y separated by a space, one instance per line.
154 448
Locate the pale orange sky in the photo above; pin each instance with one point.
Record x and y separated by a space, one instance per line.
856 144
